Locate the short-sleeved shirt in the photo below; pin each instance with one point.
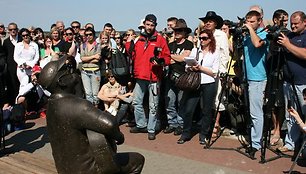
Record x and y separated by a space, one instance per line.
255 57
178 49
297 66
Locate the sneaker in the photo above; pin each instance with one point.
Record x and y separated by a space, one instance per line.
151 136
138 130
251 151
178 131
169 130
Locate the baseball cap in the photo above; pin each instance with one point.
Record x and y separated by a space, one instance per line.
151 18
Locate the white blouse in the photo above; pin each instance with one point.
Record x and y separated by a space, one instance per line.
211 61
29 56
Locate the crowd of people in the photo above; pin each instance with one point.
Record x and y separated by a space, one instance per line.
236 83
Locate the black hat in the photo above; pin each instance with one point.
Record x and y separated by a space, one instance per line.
151 18
181 25
211 15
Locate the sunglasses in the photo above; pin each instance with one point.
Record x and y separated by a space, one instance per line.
89 34
117 37
1 26
75 26
128 34
110 76
204 38
12 29
25 35
69 34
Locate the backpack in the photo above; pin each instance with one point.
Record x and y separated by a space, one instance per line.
119 64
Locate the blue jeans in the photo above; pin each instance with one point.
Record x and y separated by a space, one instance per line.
91 83
293 129
172 99
141 87
256 96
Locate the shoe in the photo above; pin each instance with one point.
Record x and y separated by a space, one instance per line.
182 140
284 149
178 131
169 130
151 136
138 130
204 142
43 114
251 151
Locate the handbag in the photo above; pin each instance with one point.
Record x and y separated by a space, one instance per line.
189 81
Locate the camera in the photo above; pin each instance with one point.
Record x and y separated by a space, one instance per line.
167 31
237 28
274 32
158 60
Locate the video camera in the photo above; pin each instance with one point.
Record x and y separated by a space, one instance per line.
158 60
274 32
237 28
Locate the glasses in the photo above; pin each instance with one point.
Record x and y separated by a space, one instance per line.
12 29
75 26
128 34
69 34
110 76
25 35
117 37
1 26
204 38
89 34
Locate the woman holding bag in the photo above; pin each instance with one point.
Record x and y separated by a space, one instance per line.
208 63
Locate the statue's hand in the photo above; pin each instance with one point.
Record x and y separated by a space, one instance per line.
120 138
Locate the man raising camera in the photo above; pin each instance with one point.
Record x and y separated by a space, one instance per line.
294 73
150 54
255 51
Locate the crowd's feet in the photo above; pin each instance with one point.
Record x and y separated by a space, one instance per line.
176 130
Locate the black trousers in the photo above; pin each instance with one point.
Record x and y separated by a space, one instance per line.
206 95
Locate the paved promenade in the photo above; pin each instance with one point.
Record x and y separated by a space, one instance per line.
163 155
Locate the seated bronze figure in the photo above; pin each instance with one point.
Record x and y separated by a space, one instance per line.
83 138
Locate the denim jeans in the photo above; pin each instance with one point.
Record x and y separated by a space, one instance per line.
172 98
293 129
256 96
91 83
141 87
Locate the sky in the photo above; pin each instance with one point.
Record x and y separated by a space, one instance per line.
127 14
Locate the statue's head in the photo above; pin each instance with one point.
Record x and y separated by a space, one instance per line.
58 75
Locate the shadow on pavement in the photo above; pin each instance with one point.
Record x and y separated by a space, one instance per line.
28 140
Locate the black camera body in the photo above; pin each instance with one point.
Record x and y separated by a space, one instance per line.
156 58
274 32
237 28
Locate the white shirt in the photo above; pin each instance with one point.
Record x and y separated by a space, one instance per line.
29 56
211 61
14 41
223 48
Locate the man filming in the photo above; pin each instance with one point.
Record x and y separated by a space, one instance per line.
255 51
150 54
294 73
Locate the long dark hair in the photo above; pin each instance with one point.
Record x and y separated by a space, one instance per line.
212 44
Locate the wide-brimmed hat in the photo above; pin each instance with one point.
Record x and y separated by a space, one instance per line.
181 25
211 15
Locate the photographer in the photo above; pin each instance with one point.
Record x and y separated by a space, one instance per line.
294 73
179 48
275 61
168 32
150 54
255 51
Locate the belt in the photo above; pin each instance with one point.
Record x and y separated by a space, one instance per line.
90 71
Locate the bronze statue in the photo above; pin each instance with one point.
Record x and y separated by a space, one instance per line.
83 138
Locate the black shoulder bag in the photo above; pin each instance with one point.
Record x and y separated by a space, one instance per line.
191 80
